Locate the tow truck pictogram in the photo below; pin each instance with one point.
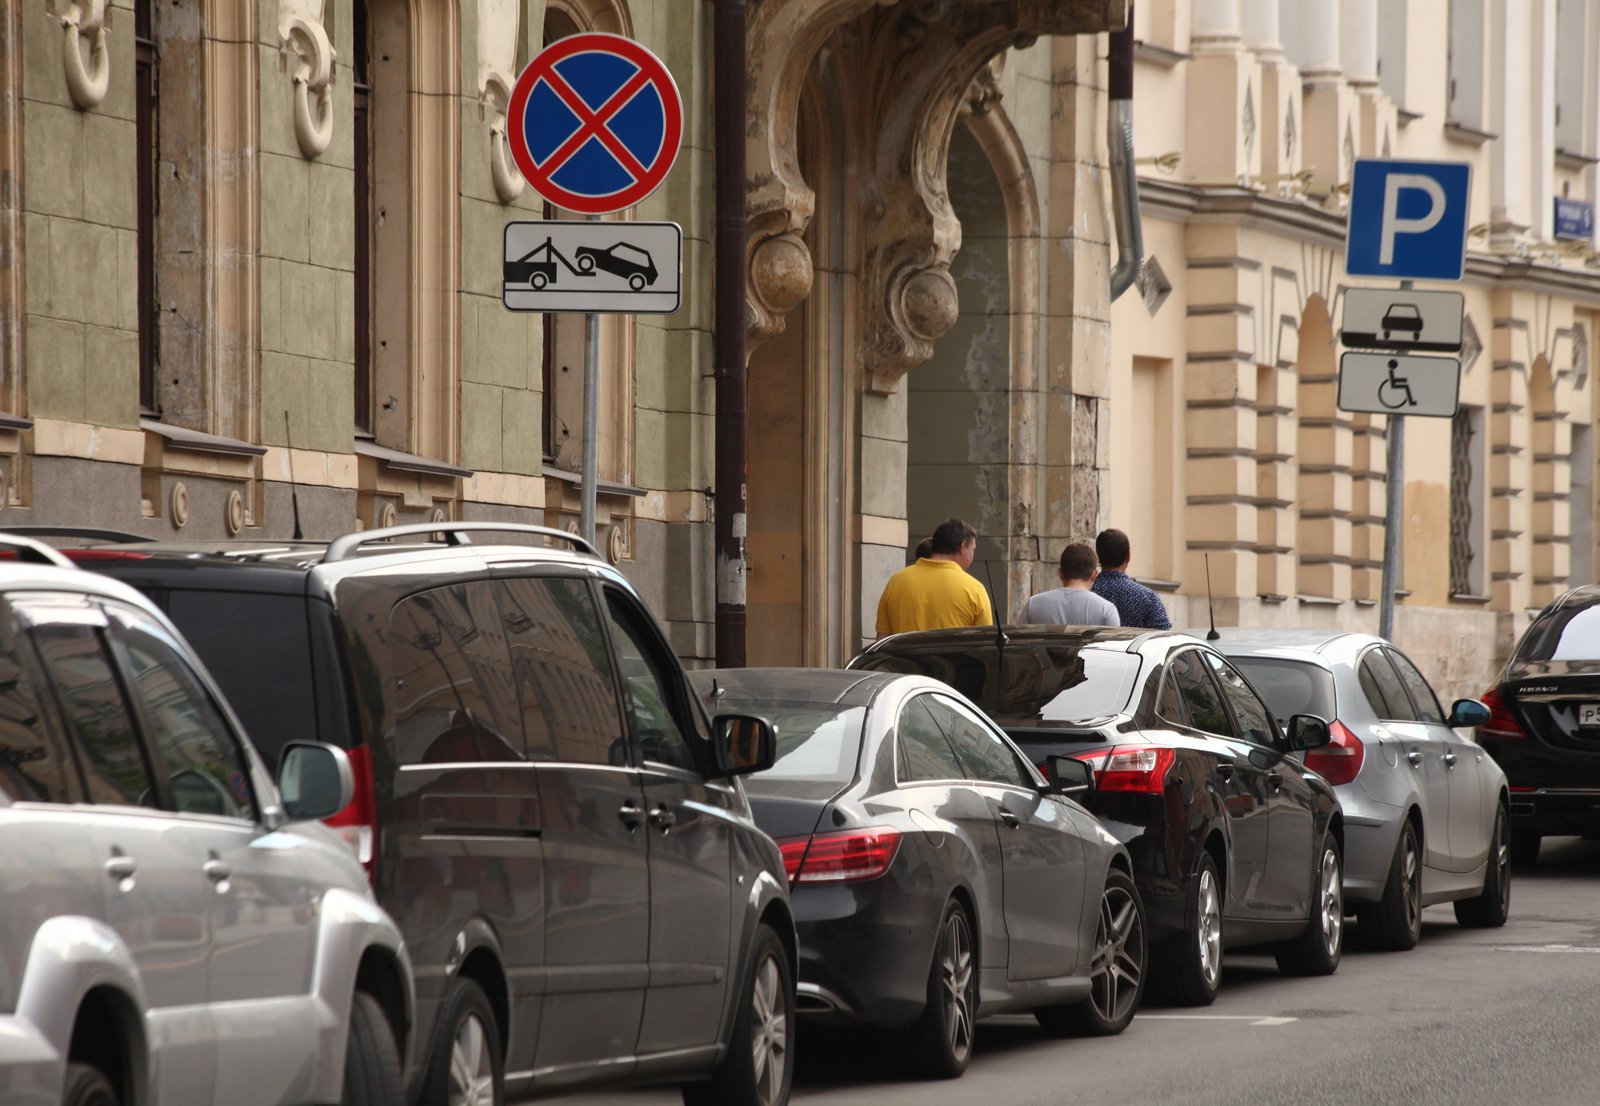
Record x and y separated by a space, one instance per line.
539 266
537 274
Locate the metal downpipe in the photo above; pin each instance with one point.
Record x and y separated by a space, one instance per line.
1124 174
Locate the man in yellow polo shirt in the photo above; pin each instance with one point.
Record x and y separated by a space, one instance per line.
935 592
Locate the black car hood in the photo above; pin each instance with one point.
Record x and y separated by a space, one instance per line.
790 808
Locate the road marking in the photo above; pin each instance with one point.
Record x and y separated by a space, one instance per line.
1547 948
1253 1019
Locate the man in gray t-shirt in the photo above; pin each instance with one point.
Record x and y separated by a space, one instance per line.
1072 604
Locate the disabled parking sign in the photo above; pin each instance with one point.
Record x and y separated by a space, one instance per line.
595 123
1408 219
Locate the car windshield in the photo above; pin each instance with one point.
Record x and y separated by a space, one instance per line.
1290 687
1567 634
1064 683
816 741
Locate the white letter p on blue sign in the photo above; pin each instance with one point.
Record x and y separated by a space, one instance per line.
1408 219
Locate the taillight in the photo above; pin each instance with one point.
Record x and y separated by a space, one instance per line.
845 857
357 822
1137 768
1502 719
1339 761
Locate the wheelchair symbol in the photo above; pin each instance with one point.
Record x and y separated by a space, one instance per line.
1395 391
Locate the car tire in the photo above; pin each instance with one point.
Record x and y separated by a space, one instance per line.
941 1041
465 1065
371 1060
1117 972
1490 908
758 1069
1194 971
87 1085
1318 949
1525 848
1394 922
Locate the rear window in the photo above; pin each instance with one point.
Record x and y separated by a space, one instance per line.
1569 634
258 649
1053 683
1290 687
815 742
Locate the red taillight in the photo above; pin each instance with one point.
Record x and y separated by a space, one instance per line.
357 823
1137 768
104 555
844 857
1339 761
1502 722
1520 788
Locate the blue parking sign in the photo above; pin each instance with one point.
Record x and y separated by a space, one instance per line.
1408 219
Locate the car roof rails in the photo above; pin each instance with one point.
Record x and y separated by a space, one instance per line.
454 533
88 533
35 552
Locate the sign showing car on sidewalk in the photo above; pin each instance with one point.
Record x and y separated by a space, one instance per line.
618 268
1404 320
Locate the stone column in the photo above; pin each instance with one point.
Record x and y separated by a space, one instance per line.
1329 107
1262 28
1222 76
1358 40
1215 21
1319 42
1280 97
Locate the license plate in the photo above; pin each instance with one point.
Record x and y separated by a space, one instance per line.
1589 714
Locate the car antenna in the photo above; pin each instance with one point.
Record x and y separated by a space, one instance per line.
294 489
1000 638
1211 635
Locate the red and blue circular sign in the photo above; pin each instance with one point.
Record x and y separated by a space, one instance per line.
595 123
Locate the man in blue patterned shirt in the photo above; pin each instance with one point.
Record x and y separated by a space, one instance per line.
1136 604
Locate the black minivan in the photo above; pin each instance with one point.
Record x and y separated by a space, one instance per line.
541 802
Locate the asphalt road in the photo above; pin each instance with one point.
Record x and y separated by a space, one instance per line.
1467 1018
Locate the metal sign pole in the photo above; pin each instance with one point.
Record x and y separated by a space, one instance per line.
1394 508
591 419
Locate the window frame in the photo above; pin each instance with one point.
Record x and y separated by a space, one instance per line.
53 725
1438 707
1033 781
147 199
1379 651
1205 670
917 698
1278 743
683 704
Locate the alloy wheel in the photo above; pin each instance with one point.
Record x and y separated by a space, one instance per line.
1502 861
1118 955
955 974
1330 900
769 1031
1411 869
1210 928
471 1066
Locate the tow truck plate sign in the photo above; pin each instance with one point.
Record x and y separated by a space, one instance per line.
610 268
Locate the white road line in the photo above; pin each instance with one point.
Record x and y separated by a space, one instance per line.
1547 948
1253 1019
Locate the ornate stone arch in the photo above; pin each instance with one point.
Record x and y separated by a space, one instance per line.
611 16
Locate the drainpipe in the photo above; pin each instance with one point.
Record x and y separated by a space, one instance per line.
729 356
1124 174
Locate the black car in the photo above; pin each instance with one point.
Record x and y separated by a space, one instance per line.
1544 724
543 807
935 876
1234 841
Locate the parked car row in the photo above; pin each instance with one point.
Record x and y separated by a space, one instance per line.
553 859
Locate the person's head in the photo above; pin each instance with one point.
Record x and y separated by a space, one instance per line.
1112 549
955 541
924 548
1078 564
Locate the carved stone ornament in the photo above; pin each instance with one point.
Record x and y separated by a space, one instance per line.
781 272
508 182
85 51
498 32
310 56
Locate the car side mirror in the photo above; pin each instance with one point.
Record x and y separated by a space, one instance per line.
1307 731
1071 777
315 780
744 743
1467 713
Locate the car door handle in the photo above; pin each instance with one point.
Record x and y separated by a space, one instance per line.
631 814
663 819
1275 780
1414 757
1449 760
1009 818
1225 771
121 867
216 871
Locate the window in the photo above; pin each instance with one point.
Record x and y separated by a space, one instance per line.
1427 703
1199 694
96 714
1464 94
1466 492
1392 49
651 686
1169 701
361 95
1383 689
1250 713
563 673
1290 687
205 767
984 754
922 753
32 768
145 109
452 696
1569 633
1575 39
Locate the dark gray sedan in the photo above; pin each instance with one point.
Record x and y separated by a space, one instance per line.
936 877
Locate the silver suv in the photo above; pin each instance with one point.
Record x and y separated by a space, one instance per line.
172 930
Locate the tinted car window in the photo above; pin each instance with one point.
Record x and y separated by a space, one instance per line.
1565 634
815 742
563 672
33 769
1422 695
648 682
1199 693
1169 700
97 715
984 754
923 751
1384 692
205 768
443 674
1290 687
1250 713
256 647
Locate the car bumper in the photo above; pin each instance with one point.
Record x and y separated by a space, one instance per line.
31 1071
1551 812
1371 832
1162 863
